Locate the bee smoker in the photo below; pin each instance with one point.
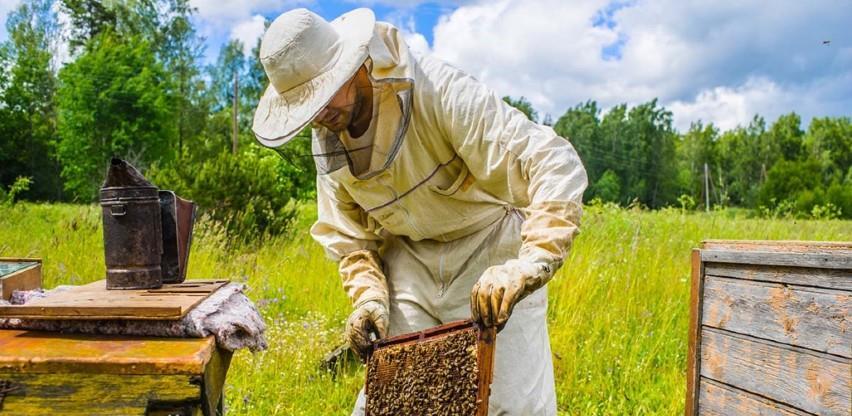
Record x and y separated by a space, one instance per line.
147 232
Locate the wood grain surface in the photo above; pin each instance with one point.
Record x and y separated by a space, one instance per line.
694 337
810 381
718 399
814 318
825 278
93 394
47 352
831 260
778 245
56 374
94 301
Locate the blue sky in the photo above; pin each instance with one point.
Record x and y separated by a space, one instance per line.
422 16
719 61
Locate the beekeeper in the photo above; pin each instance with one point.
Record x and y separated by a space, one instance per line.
440 201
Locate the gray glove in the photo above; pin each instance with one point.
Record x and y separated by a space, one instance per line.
546 234
500 288
368 318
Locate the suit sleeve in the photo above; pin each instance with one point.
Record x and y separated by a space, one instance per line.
521 162
345 232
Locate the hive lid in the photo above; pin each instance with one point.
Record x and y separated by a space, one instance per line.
94 301
795 246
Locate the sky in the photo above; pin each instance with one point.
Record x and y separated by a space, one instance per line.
717 61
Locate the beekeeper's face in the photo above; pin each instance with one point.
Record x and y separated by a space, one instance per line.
341 110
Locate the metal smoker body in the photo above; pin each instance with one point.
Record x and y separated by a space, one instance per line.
147 232
133 244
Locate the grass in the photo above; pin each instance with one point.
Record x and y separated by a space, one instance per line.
618 308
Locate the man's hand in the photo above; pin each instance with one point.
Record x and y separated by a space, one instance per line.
371 317
500 288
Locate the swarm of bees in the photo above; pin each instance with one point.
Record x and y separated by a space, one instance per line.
435 377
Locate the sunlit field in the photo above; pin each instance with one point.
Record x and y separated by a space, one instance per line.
618 308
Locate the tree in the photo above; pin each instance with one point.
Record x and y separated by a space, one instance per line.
524 106
786 137
801 185
230 64
167 27
697 148
637 145
89 18
607 188
256 79
581 126
653 150
27 114
745 156
829 140
180 52
113 101
149 19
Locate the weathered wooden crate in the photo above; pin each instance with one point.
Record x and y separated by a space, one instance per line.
770 329
44 373
18 274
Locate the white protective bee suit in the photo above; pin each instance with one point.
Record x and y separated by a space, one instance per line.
458 182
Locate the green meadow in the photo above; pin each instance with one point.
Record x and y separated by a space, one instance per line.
618 308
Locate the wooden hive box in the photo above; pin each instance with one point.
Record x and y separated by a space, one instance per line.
18 274
44 373
445 370
770 331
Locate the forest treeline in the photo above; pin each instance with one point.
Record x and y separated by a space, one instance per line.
127 78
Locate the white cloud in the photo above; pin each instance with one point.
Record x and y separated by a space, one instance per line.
223 11
218 20
416 42
248 31
718 61
729 107
408 4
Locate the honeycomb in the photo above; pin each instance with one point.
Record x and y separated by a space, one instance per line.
432 377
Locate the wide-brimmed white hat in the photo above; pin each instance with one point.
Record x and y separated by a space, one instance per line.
307 60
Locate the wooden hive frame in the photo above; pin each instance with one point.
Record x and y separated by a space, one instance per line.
486 338
769 328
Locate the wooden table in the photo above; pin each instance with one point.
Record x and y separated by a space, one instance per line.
44 373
